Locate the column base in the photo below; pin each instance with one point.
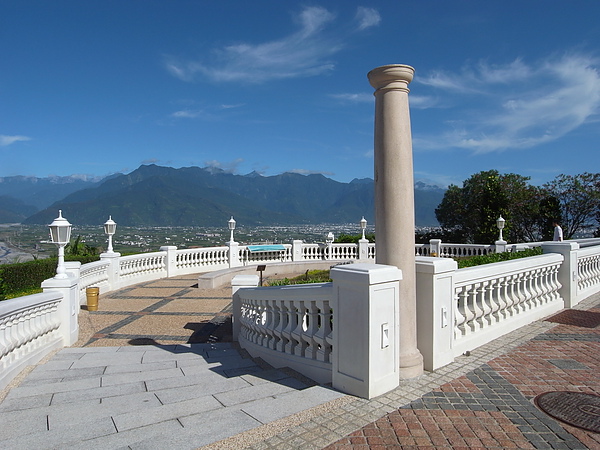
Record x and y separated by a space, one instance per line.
411 366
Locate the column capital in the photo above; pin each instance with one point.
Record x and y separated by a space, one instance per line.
392 76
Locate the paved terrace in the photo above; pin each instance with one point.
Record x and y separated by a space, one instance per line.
154 369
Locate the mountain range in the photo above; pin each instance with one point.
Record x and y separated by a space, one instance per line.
192 196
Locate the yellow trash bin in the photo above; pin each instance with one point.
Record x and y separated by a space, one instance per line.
92 298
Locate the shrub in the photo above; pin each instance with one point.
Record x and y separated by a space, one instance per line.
478 260
26 278
311 276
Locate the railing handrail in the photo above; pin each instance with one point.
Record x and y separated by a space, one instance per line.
504 268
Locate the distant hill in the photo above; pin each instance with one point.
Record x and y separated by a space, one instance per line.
191 196
42 192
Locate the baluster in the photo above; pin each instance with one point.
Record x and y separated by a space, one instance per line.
486 304
252 315
283 321
323 331
300 346
243 318
546 285
538 289
269 339
275 327
461 310
4 341
527 290
474 308
497 301
517 291
311 326
290 325
328 332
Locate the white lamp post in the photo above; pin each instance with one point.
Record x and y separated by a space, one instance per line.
110 227
500 223
363 227
60 234
231 225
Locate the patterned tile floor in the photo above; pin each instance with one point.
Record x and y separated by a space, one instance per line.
491 406
481 401
168 311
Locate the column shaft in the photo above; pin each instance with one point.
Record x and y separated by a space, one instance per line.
394 199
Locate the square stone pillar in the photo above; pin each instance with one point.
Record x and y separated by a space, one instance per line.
365 355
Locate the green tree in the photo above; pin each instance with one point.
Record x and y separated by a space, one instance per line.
80 248
470 213
578 198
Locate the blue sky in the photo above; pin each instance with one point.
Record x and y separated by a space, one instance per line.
99 87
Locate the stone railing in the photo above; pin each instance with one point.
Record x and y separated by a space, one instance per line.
293 323
588 270
344 333
28 331
494 299
458 310
34 325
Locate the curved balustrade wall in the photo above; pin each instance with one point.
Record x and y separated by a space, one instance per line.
289 326
28 331
199 259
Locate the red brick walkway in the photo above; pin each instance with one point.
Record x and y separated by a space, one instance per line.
492 406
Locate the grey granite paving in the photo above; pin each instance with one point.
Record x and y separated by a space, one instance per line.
149 397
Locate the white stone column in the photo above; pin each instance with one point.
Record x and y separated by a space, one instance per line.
394 199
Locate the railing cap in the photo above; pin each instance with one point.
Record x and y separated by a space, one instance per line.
375 273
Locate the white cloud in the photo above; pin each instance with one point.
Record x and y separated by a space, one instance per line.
187 114
303 53
227 166
8 140
516 106
367 17
354 98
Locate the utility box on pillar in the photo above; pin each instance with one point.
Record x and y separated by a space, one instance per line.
366 352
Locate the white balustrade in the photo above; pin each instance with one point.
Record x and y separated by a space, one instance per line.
588 270
142 267
344 252
496 298
199 259
311 252
93 274
292 322
269 256
28 330
463 250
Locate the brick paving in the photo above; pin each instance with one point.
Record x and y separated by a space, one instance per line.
491 406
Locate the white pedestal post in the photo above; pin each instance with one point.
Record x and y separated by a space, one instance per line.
365 357
394 199
113 270
68 308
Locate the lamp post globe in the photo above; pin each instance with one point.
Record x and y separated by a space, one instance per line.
60 234
500 224
231 224
363 226
110 227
